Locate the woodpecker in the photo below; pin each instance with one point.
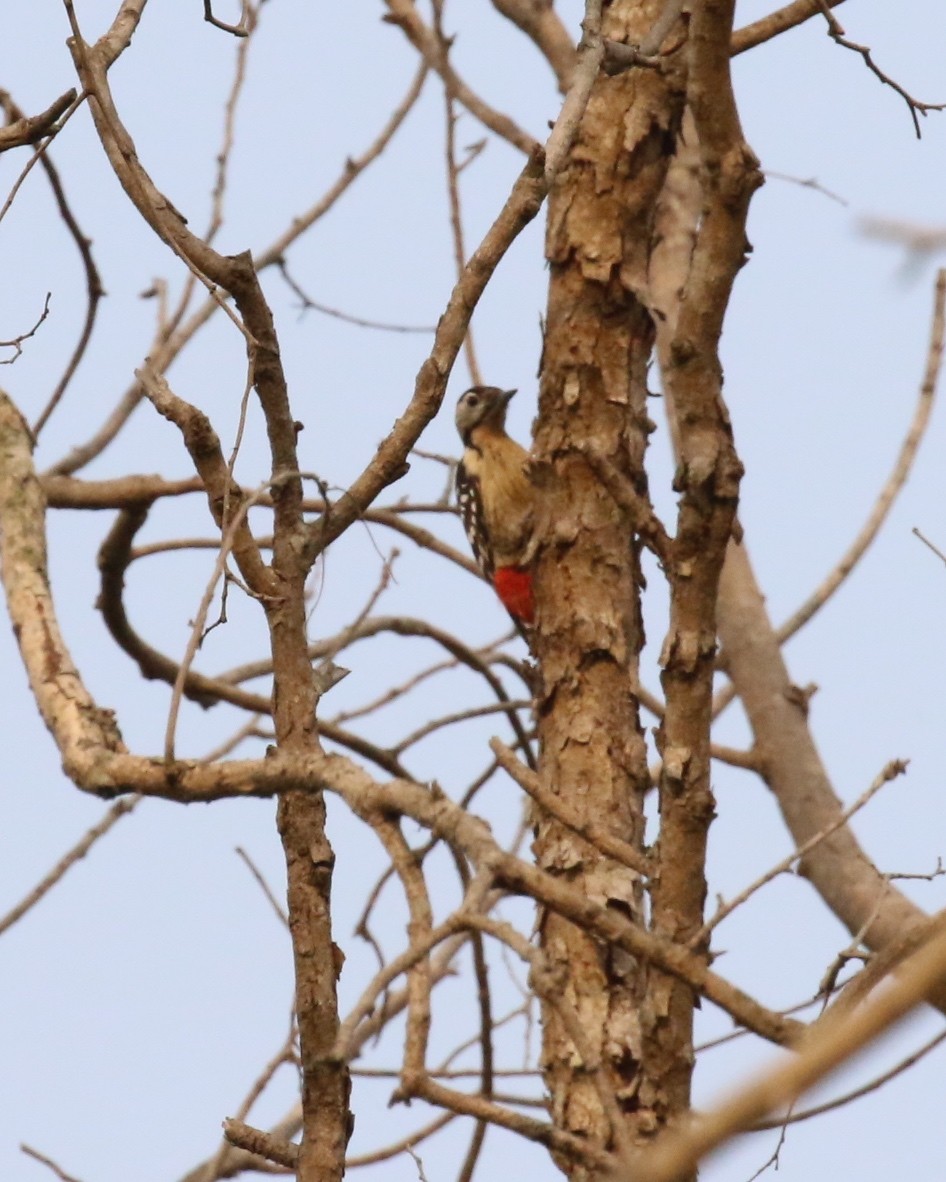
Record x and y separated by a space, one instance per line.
497 500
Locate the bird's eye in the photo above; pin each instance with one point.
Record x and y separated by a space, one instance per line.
472 400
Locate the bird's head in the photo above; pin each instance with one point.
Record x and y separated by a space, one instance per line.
482 405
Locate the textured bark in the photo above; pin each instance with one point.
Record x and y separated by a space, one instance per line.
707 478
593 415
326 1085
309 864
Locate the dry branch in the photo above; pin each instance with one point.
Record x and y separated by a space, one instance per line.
850 884
78 851
404 14
542 24
27 129
895 481
915 106
829 1042
261 1144
93 282
597 834
749 36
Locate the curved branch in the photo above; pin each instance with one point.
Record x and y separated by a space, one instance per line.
173 338
96 761
93 281
27 129
403 14
65 705
544 27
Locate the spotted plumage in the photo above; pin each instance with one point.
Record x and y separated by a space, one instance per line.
496 498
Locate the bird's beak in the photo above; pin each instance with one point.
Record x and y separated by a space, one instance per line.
507 396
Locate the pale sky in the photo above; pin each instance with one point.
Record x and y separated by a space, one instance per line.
142 997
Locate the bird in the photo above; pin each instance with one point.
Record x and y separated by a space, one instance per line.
496 497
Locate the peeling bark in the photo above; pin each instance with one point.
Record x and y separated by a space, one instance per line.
593 413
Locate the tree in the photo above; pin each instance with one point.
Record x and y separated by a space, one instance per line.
317 672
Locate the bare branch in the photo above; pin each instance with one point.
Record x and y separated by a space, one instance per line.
263 885
830 1041
916 108
16 343
78 851
590 57
387 465
806 183
40 152
48 1161
404 14
228 503
775 23
597 834
896 479
239 30
453 192
542 24
403 1145
926 542
261 1144
27 129
307 302
895 768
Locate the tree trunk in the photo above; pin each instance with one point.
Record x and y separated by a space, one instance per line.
590 448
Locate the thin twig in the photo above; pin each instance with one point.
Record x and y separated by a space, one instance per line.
239 30
16 343
404 1145
453 188
308 302
47 1161
926 542
805 183
898 476
836 33
459 716
78 851
895 768
263 885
